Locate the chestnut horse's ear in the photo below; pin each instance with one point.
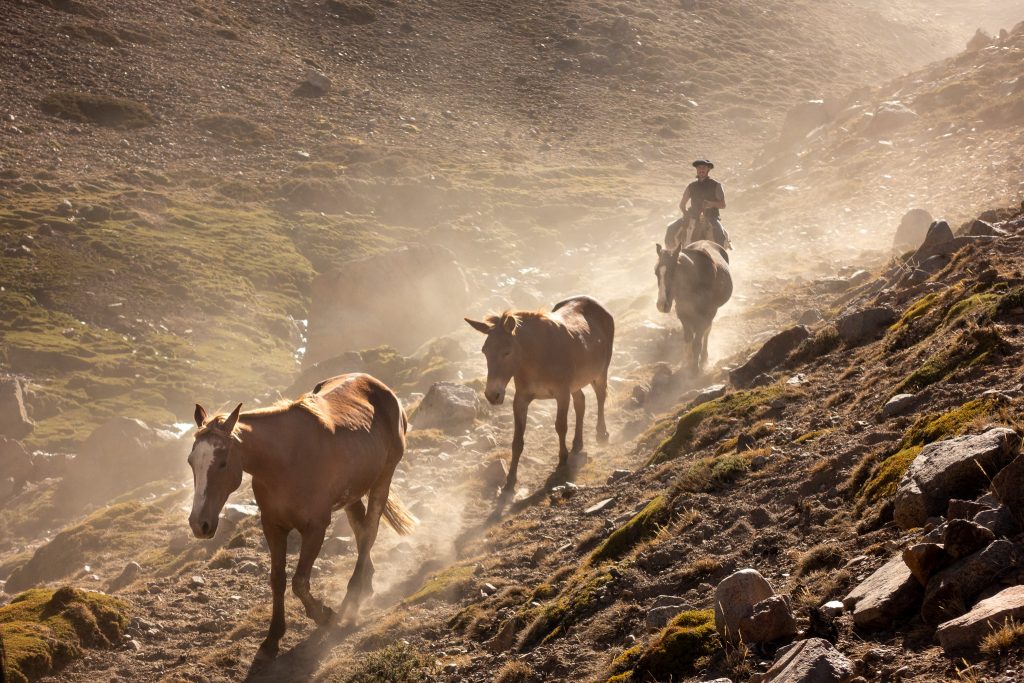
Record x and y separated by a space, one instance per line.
478 326
675 252
658 248
510 323
200 415
229 424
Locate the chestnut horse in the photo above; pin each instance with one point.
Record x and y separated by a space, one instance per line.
698 281
550 355
307 457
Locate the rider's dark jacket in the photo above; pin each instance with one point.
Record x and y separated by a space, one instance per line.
705 190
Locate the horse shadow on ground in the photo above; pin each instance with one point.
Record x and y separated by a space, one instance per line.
301 662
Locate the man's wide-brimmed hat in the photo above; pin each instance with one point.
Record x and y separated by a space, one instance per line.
703 162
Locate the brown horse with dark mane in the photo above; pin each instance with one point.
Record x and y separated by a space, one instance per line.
307 457
549 355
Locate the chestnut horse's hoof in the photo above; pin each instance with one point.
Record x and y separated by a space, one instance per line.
326 617
602 437
267 652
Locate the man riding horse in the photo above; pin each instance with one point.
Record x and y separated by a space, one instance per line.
706 197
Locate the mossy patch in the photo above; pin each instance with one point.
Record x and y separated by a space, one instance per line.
103 110
813 435
447 586
680 649
580 598
740 404
968 349
644 524
396 663
43 630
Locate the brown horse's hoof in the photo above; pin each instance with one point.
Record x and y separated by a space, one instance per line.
326 617
267 652
602 437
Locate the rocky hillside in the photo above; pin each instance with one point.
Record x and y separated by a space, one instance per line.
232 201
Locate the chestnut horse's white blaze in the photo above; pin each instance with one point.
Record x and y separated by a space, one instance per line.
322 452
663 301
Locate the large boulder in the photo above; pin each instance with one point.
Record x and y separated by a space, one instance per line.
951 469
814 660
447 406
735 598
912 230
967 631
951 591
884 597
769 356
400 298
864 324
771 620
14 420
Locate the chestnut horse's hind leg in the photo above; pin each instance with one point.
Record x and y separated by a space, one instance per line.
312 539
277 541
365 522
579 404
601 391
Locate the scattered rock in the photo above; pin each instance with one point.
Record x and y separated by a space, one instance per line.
967 631
814 660
999 520
735 598
770 355
980 40
924 559
912 230
127 575
950 592
963 538
771 620
1008 487
964 509
890 117
315 84
14 421
864 324
658 617
898 404
599 506
884 597
448 406
945 469
616 475
708 394
494 473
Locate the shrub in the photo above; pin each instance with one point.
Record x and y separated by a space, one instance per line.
397 663
678 650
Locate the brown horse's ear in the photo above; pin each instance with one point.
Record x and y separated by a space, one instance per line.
200 415
229 424
676 251
478 326
658 248
509 323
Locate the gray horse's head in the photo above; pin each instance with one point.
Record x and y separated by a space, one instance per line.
668 259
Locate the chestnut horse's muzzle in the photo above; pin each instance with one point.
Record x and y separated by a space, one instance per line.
202 528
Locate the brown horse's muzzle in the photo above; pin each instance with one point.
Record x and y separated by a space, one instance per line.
495 396
202 528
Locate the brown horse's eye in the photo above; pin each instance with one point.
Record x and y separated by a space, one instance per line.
222 465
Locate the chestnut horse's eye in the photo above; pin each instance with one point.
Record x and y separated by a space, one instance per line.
222 465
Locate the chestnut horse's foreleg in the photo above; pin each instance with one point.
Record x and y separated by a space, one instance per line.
520 405
312 539
579 404
601 391
561 427
277 541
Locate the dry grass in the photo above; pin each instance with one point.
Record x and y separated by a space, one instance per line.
999 643
515 672
822 556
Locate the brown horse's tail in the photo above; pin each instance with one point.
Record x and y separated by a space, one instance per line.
398 518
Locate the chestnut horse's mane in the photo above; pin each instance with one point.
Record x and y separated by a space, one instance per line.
307 402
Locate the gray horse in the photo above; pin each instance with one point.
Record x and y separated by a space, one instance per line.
697 280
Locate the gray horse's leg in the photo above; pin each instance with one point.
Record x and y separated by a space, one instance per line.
277 541
601 392
312 540
579 404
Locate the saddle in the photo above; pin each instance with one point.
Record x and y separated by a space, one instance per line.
689 229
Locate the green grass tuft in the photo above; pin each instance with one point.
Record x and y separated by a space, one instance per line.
680 649
447 586
643 525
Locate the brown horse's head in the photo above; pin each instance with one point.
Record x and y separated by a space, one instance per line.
502 350
216 469
668 259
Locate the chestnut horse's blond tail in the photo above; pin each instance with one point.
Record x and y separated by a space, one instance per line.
398 518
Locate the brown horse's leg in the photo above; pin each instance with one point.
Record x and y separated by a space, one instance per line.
520 405
357 520
579 404
277 541
561 427
601 391
312 539
360 586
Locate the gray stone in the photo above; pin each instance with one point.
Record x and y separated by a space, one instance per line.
448 406
14 420
884 597
769 356
864 324
128 574
616 475
834 608
964 509
924 559
735 598
708 394
912 229
950 592
945 469
1008 487
963 538
814 660
967 631
658 617
1000 521
599 506
771 620
898 404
